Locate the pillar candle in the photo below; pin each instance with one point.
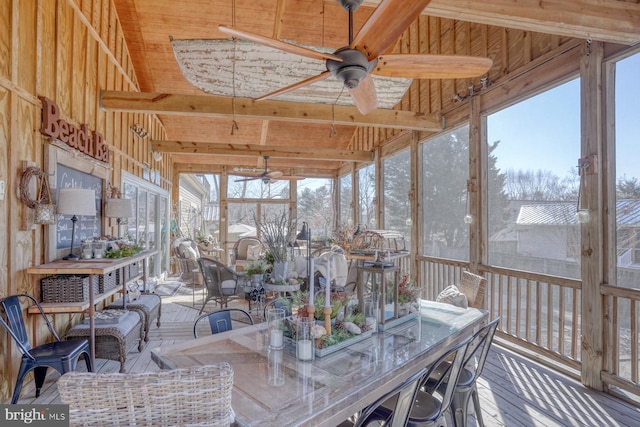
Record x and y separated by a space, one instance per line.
304 350
275 338
311 284
328 288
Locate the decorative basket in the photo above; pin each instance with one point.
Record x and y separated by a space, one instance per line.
67 288
107 282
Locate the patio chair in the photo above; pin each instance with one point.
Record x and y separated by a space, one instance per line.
284 303
403 397
59 355
186 253
473 286
190 396
473 364
220 321
246 250
429 410
221 282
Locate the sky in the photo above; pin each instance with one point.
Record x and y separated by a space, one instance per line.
543 132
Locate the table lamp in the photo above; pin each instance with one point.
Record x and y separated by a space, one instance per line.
76 201
118 208
305 234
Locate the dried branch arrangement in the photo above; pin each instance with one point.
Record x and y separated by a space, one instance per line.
276 232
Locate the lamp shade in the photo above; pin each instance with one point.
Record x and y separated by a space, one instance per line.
118 208
76 201
304 233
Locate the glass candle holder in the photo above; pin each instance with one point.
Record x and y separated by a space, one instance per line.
275 376
372 311
275 328
99 248
304 340
87 249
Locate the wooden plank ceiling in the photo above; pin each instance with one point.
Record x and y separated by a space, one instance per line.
149 24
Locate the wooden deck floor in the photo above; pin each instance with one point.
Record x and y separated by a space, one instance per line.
514 390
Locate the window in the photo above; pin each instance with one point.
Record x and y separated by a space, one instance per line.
239 188
148 227
533 183
396 186
315 206
444 182
345 184
367 196
627 173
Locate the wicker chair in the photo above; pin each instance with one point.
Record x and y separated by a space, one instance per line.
473 286
186 253
194 396
221 282
246 250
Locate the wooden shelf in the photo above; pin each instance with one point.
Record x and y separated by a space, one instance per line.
72 307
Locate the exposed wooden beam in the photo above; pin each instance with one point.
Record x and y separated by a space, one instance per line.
605 20
312 153
221 106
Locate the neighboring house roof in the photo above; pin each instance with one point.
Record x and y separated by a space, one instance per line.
628 212
559 213
210 212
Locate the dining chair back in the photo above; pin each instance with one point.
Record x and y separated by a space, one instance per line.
402 398
473 365
199 395
473 287
60 355
221 282
220 320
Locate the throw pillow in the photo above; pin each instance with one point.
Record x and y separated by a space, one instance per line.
452 295
253 252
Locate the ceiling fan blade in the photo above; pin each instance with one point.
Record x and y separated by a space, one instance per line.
277 44
364 95
252 178
289 178
306 82
432 66
273 174
390 19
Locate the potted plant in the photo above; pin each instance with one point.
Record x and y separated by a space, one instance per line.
256 270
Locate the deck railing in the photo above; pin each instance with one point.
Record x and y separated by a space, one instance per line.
543 314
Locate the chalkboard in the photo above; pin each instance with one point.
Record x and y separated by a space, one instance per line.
87 227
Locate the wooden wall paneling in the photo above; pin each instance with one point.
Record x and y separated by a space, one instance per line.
6 28
26 46
5 205
423 85
79 61
91 86
46 80
113 24
63 69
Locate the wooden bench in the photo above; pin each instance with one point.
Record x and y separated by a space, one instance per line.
148 305
117 333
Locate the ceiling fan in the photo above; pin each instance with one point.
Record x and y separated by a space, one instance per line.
269 177
353 64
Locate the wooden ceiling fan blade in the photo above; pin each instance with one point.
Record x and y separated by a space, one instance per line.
364 96
306 82
432 66
273 174
277 44
289 178
387 22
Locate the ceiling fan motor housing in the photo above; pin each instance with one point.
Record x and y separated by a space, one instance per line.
353 69
350 4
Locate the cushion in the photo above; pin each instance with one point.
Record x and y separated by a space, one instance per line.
106 317
452 295
254 252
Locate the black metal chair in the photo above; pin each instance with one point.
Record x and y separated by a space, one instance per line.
429 410
222 283
60 355
220 320
473 364
403 398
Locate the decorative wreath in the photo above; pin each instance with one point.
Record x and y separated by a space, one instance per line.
29 173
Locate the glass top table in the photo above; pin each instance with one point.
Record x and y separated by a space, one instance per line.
272 388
